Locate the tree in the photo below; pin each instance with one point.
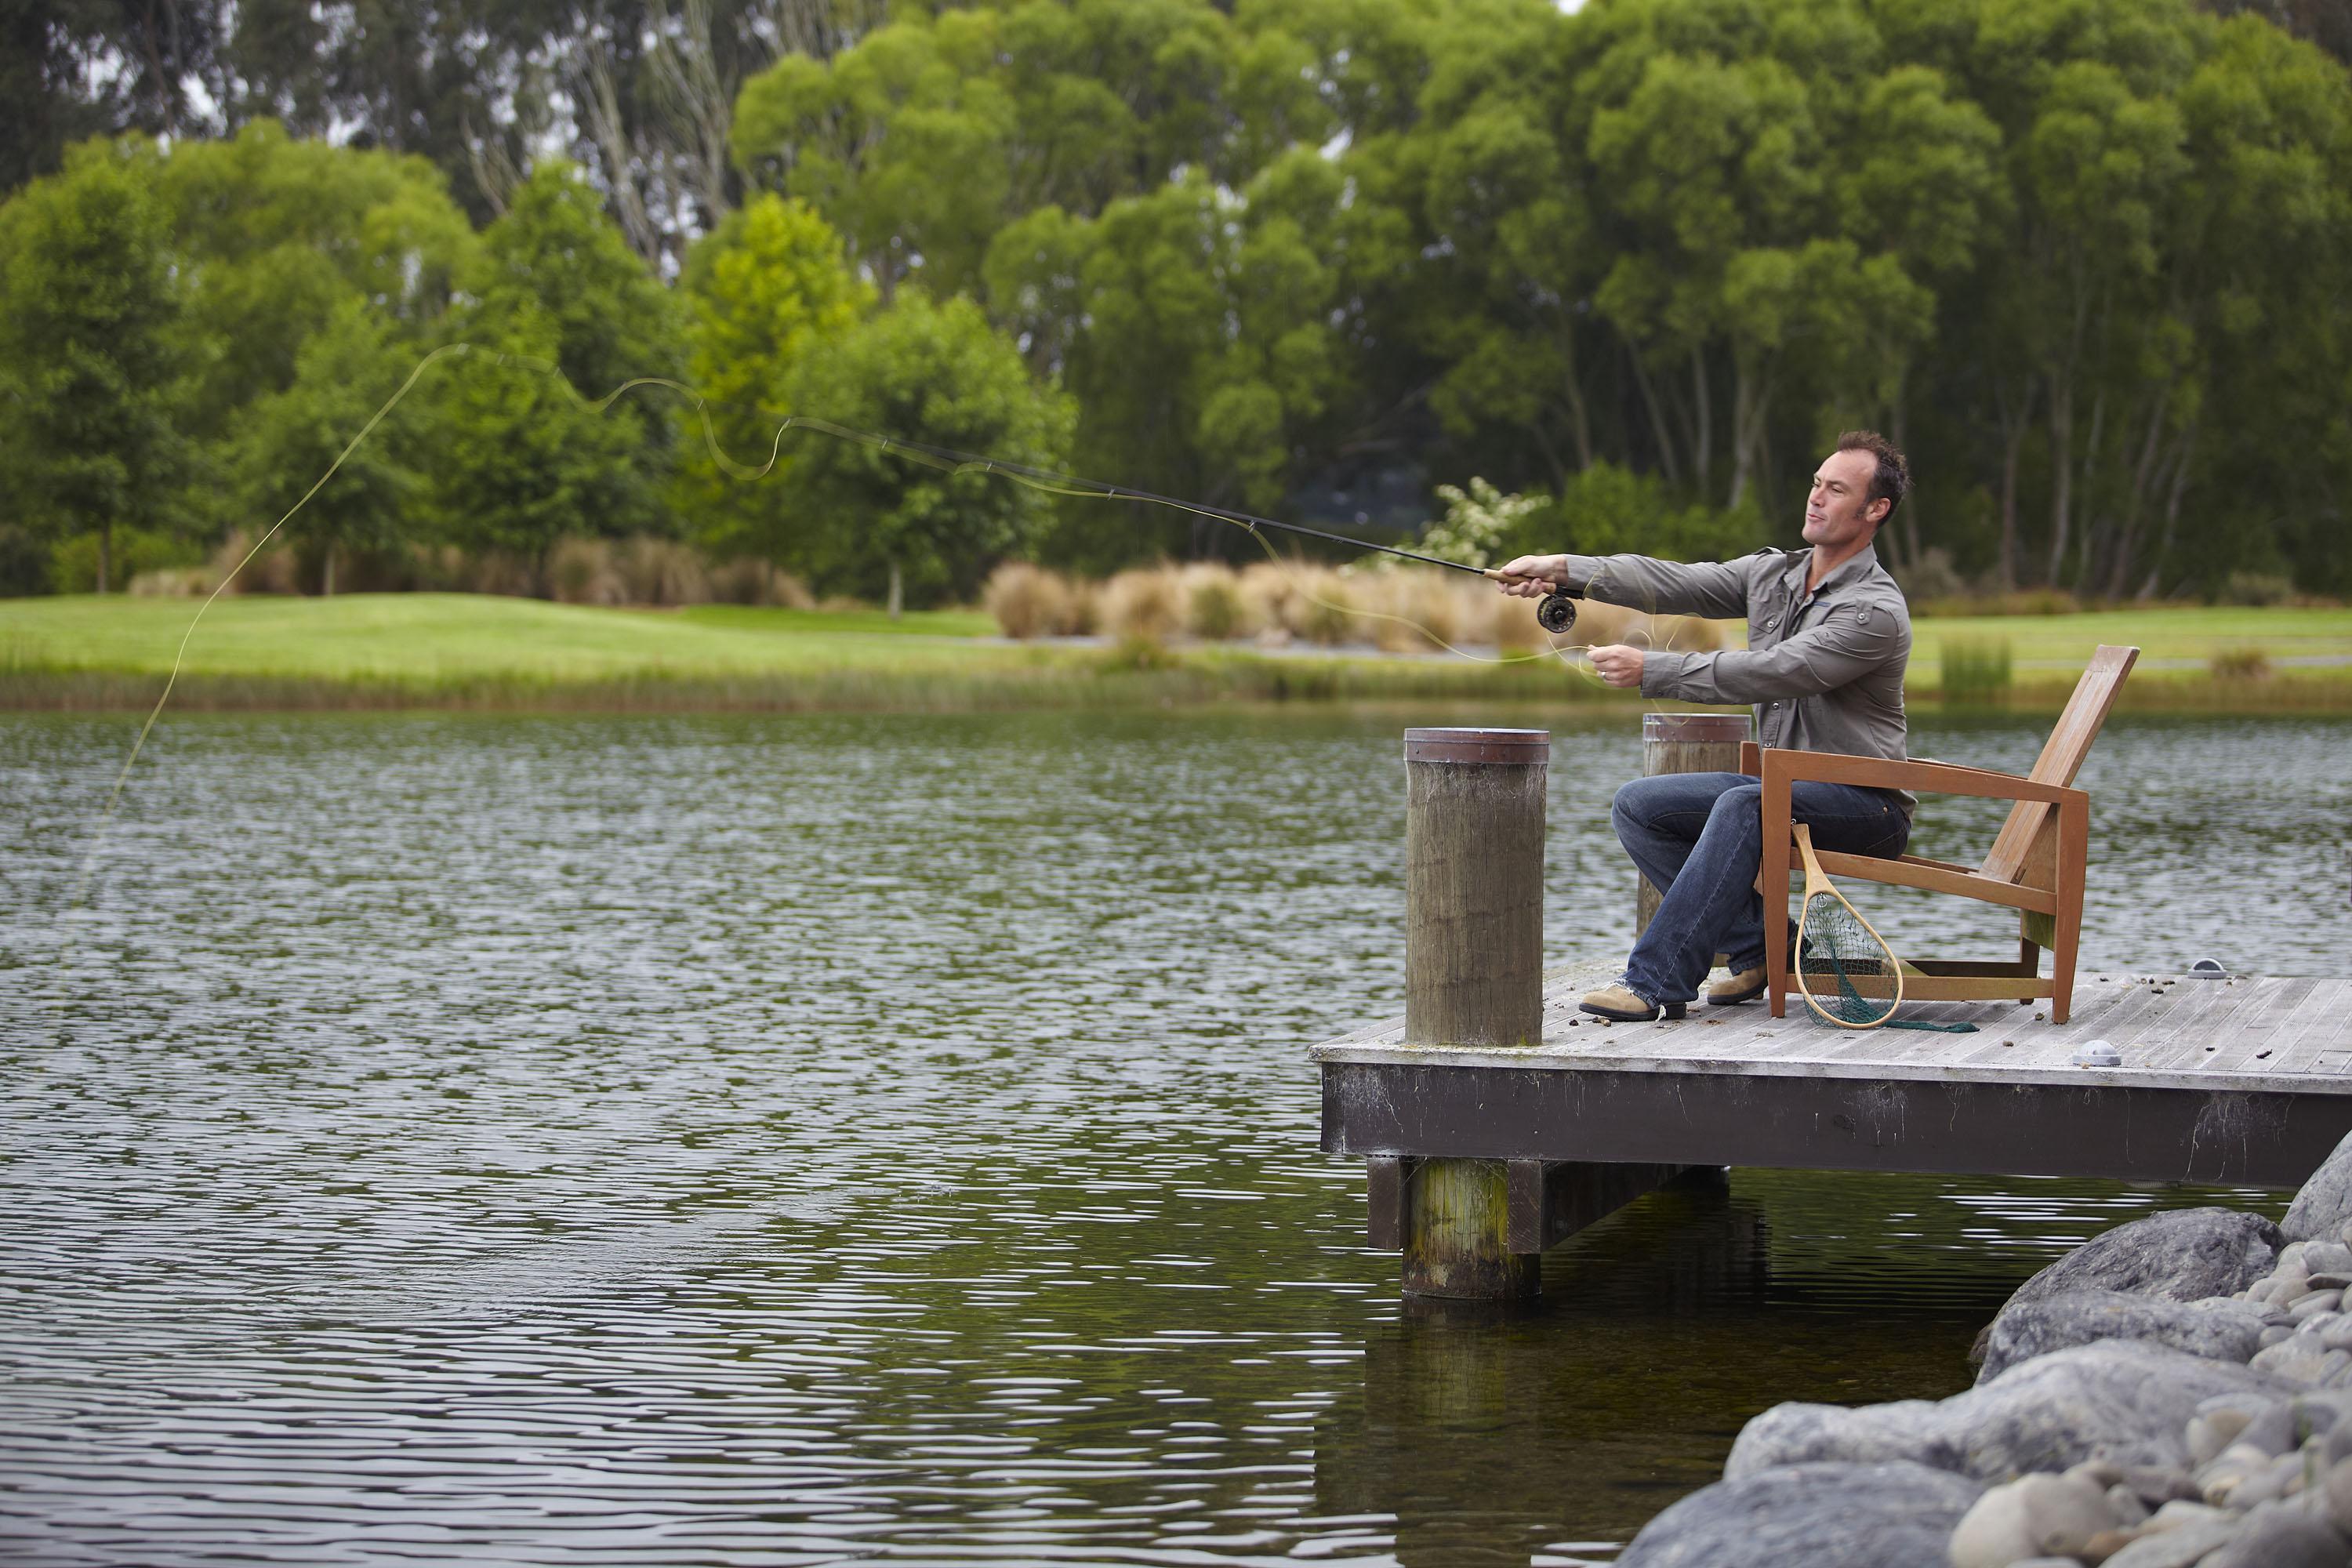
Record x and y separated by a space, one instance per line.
769 289
555 258
286 440
272 236
877 524
519 458
85 319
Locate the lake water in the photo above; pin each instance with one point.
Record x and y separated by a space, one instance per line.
787 1140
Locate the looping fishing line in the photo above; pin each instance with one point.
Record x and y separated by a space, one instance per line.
939 458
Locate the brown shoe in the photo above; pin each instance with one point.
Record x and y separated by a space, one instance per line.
1621 1006
1745 987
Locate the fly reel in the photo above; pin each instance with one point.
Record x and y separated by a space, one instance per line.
1557 613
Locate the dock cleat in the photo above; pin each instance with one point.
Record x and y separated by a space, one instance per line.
1621 1006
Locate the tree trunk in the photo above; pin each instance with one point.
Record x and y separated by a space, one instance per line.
1666 462
2061 475
1703 456
105 554
2012 454
898 591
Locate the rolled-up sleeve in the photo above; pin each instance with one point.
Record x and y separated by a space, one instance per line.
1848 644
1718 589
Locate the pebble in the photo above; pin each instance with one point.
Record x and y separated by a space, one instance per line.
2337 1491
2327 1257
2031 1516
2314 1302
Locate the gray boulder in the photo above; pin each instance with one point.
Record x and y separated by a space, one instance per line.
2186 1254
2279 1536
1824 1516
2219 1329
2324 1203
2116 1400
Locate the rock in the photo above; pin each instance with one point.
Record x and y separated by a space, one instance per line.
2327 1257
2210 1432
2180 1548
1825 1516
2311 1303
2337 1491
2302 1358
2127 1505
2325 1204
2277 1537
2218 1330
2186 1254
2289 1424
2031 1516
2116 1399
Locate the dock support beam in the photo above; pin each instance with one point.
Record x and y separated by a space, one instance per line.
1445 1216
1473 976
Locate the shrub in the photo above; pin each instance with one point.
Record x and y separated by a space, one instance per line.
1267 590
2240 664
1137 654
581 571
1511 626
1148 602
656 570
1976 669
1419 610
1932 577
1213 606
2263 588
747 580
1029 601
1322 607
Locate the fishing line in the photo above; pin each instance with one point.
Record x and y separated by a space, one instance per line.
942 458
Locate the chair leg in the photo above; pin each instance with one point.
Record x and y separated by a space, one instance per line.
1775 877
2028 953
2074 853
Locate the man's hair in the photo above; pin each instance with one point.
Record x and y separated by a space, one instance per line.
1892 481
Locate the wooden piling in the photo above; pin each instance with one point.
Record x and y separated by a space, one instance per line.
1684 743
1473 885
1474 975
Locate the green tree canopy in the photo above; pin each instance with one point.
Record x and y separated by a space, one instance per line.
87 316
765 291
870 523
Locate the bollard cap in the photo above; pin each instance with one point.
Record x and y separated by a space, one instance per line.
1521 747
1702 729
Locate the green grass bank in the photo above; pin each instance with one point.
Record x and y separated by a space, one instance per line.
449 650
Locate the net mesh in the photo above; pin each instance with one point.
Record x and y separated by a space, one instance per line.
1850 974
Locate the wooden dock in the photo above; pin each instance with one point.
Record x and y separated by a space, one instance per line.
2241 1080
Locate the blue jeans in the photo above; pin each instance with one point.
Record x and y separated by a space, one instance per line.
1699 838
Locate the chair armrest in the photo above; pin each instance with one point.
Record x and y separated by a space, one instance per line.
1935 778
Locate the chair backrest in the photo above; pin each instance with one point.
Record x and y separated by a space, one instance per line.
2061 757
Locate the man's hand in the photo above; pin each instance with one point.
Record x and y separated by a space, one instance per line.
1617 664
1531 577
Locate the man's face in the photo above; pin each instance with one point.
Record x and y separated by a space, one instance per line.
1839 511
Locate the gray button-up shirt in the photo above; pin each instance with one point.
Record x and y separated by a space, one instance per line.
1824 670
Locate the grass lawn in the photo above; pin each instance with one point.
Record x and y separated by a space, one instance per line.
460 649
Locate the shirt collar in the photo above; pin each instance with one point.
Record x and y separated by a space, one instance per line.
1853 569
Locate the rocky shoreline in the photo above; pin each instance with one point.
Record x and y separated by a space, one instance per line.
2174 1394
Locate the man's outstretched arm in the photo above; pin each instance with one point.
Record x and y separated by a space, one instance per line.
1852 642
1716 589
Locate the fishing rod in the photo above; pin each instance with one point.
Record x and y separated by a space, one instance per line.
1555 614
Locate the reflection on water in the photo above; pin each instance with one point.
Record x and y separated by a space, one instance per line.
776 1140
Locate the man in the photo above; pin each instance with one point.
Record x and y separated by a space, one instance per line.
1828 638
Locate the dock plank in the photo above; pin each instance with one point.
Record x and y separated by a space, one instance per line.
2161 1030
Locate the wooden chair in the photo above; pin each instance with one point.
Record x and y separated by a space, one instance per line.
2035 866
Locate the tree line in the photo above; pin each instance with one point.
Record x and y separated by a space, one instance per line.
2084 258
